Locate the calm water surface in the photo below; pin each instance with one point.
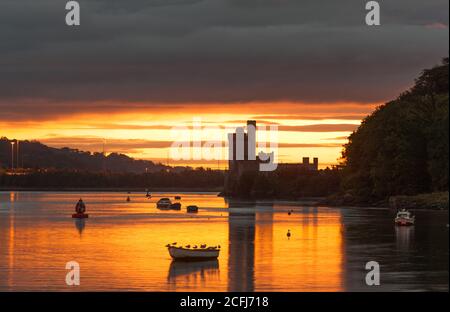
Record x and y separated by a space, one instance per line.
121 245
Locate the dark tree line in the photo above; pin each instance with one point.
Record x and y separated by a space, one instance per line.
187 178
403 147
286 183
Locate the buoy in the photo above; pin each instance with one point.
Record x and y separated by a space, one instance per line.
289 213
80 215
288 234
80 209
128 199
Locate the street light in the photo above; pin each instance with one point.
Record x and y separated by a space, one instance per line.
12 155
18 155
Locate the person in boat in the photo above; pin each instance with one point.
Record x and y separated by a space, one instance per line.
80 207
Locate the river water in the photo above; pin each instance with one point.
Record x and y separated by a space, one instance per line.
121 247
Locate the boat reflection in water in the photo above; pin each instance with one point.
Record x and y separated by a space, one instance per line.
80 224
404 237
194 273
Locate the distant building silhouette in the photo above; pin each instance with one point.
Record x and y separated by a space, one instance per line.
304 165
243 159
241 155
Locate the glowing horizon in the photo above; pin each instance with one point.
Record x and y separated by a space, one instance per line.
305 130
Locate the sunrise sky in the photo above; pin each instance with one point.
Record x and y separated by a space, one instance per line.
134 69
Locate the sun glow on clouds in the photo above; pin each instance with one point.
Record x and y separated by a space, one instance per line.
304 129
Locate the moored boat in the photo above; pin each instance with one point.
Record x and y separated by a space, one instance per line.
163 203
192 208
175 206
404 217
193 254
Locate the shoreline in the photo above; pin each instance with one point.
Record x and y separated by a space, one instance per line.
407 202
110 189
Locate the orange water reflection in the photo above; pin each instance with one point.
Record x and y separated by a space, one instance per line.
121 246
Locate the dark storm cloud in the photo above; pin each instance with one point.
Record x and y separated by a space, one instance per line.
184 51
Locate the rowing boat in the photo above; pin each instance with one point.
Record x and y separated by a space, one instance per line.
191 254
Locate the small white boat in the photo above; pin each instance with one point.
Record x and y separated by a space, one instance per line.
193 254
164 203
404 217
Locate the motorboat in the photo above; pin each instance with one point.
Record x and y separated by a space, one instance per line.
175 206
192 208
404 217
177 197
194 253
163 203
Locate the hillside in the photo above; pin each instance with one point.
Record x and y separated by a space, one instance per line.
37 155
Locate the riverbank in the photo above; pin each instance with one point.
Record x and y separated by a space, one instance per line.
431 201
428 201
113 189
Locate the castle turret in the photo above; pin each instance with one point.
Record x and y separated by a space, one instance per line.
306 161
250 143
